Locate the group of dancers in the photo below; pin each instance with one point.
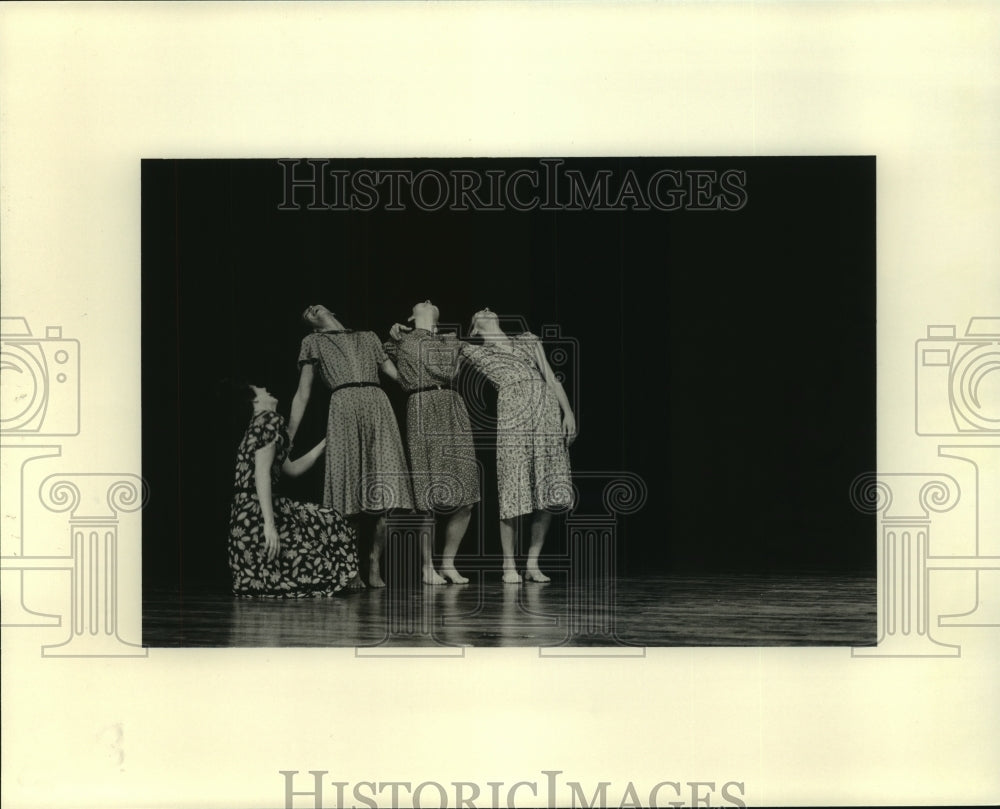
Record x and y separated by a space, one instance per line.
285 548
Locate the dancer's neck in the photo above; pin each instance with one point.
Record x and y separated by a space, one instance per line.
330 323
425 322
493 334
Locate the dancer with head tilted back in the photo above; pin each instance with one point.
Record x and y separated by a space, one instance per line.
535 426
438 433
366 469
279 547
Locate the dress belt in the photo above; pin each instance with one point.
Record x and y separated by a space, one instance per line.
355 385
429 387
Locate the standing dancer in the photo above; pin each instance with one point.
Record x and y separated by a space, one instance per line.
533 437
365 463
438 433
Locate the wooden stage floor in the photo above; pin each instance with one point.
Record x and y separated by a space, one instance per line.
637 611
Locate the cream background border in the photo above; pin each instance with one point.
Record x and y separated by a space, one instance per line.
88 90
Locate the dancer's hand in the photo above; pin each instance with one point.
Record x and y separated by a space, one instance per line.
569 428
272 542
396 332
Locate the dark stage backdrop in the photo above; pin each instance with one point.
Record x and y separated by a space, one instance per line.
725 356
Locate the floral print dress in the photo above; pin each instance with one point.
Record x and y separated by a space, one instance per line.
317 557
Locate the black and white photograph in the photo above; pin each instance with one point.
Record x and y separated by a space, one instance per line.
498 404
508 402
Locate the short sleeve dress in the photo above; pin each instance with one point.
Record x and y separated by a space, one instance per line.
533 470
318 555
366 468
443 463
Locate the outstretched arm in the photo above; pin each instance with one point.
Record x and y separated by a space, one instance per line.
569 420
301 399
295 468
389 369
468 354
390 350
263 458
384 353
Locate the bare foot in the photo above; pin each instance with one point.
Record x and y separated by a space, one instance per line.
356 583
450 573
534 574
511 576
431 576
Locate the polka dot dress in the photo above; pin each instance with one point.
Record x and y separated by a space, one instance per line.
366 469
438 431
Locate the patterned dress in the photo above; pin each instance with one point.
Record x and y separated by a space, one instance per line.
317 554
533 470
438 432
365 463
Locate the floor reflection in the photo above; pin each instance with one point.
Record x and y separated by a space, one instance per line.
643 611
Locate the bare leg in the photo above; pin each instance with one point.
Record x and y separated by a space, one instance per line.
375 558
508 542
539 527
453 533
356 522
430 575
356 582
